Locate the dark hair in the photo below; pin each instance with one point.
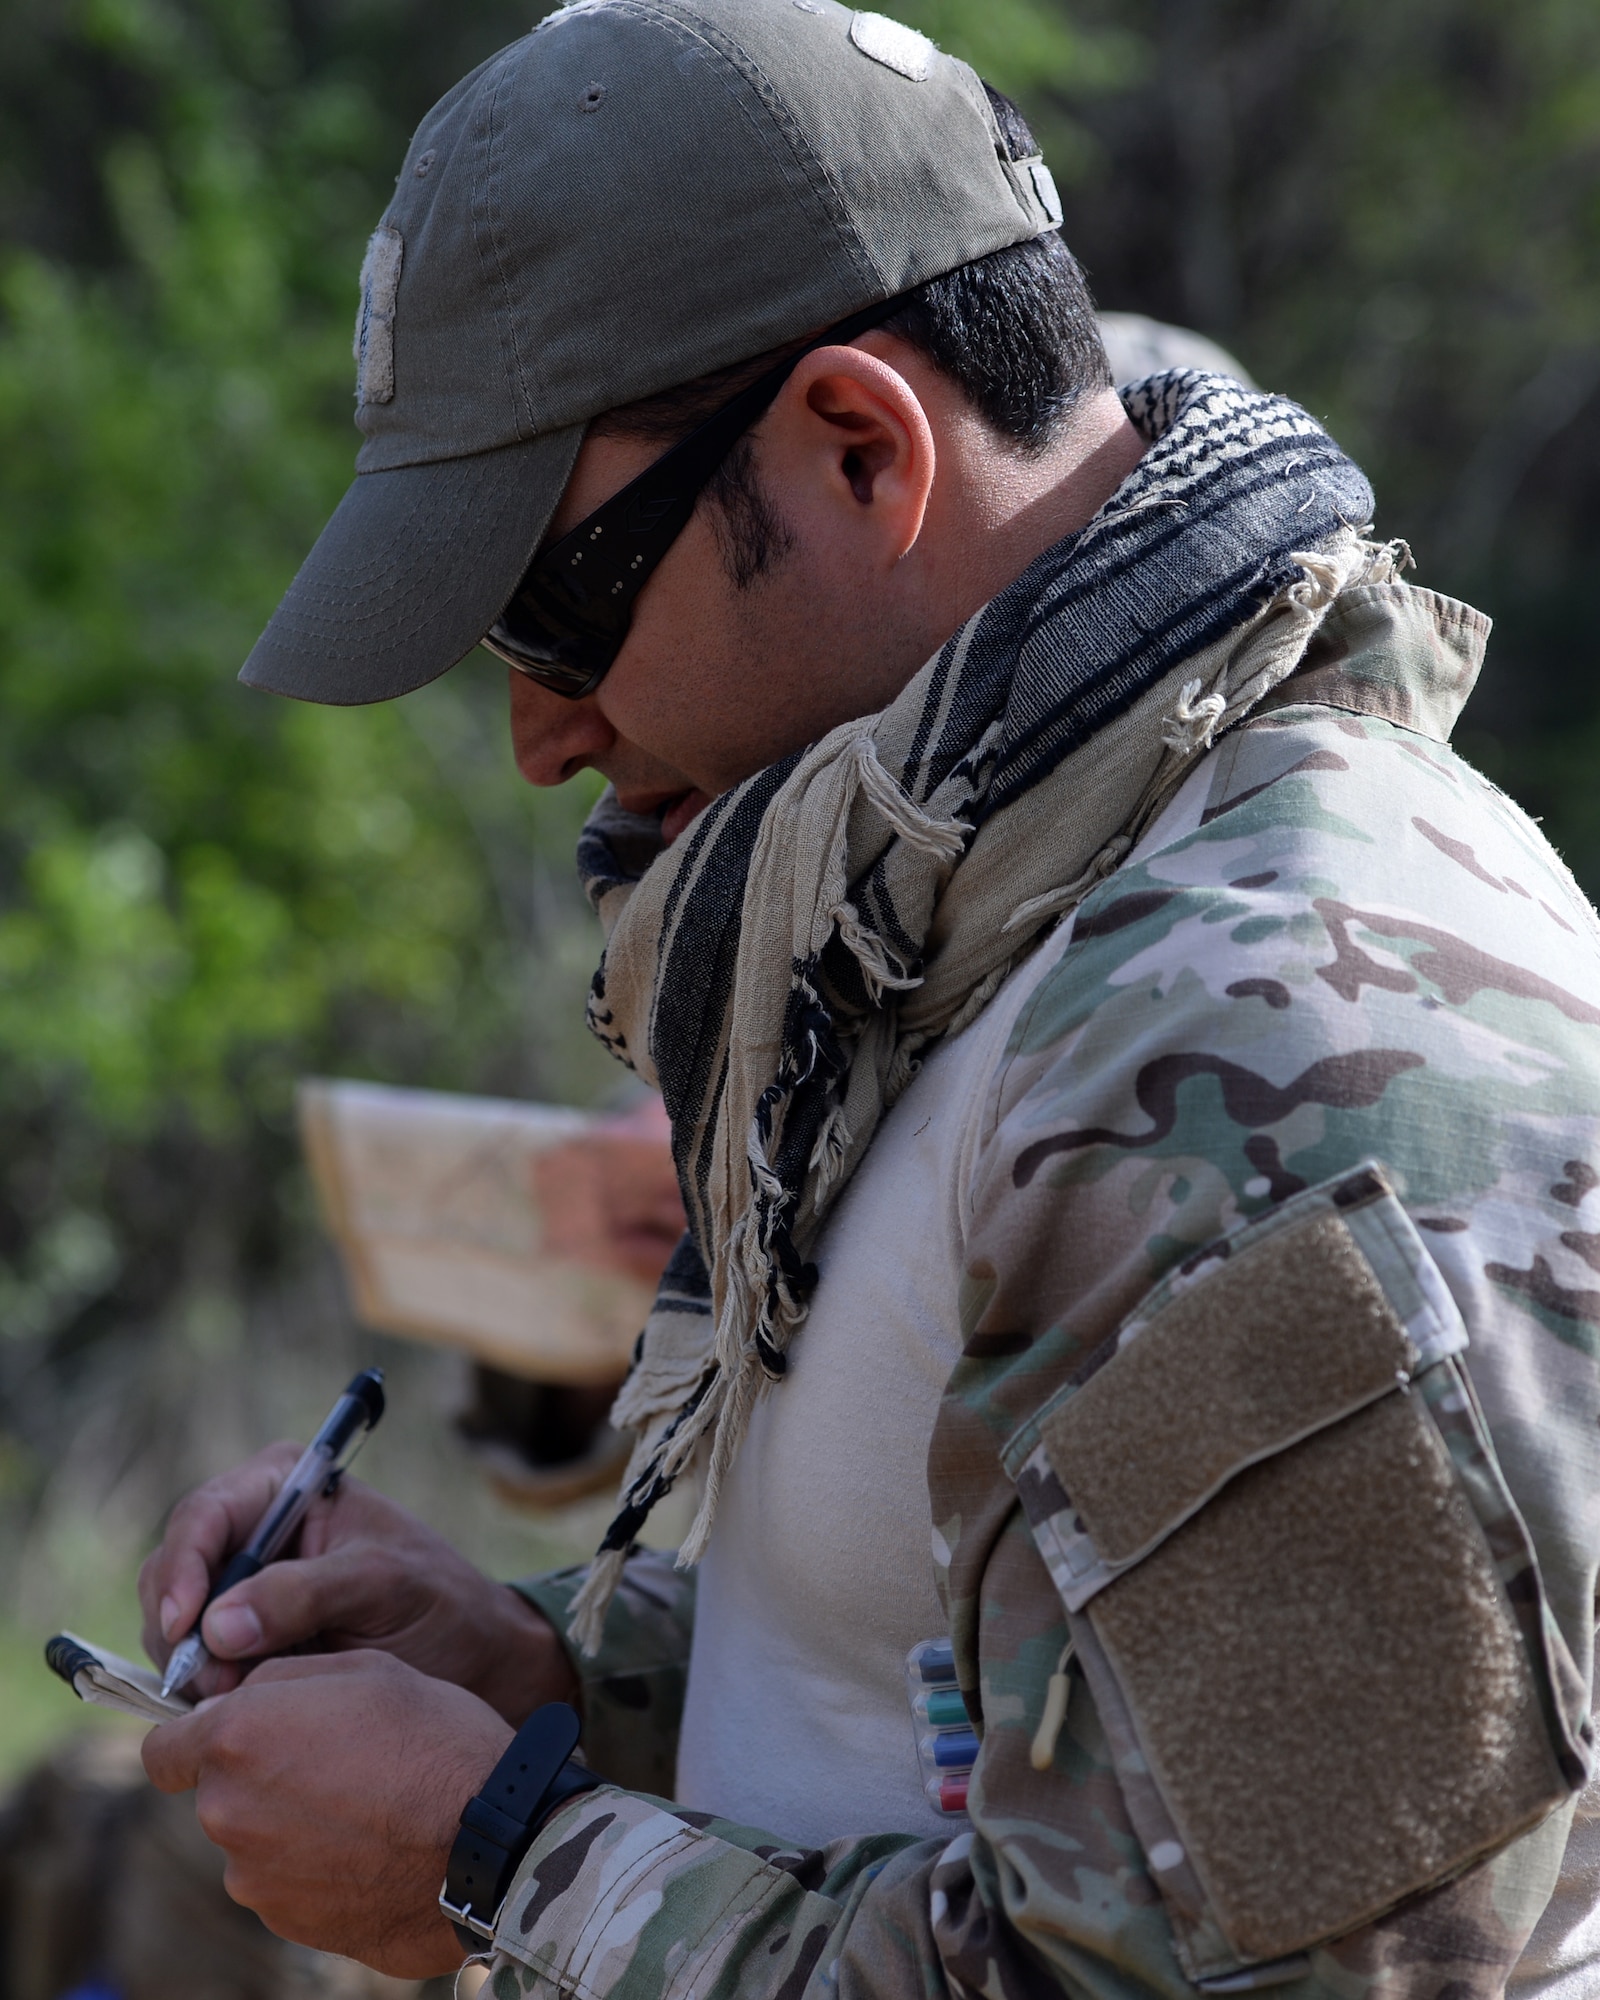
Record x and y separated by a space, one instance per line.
1015 331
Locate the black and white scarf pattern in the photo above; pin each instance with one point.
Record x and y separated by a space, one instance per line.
778 971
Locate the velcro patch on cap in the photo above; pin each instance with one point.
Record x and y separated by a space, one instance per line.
894 45
374 341
1044 187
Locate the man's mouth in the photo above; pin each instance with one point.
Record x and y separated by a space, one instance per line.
676 809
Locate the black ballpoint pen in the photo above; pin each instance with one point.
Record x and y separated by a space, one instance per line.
347 1424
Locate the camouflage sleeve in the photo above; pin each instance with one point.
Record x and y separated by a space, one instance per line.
635 1899
633 1687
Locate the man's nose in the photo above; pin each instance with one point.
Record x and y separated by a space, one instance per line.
552 738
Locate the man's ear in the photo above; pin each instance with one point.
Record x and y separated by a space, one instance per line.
855 431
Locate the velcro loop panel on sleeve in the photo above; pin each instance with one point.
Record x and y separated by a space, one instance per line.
1329 1686
1279 1342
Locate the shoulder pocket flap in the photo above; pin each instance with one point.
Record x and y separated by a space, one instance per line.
1263 1340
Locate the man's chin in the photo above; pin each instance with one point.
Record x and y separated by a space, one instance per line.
680 812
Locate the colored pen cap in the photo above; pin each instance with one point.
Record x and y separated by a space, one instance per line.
951 1796
940 1707
949 1750
931 1661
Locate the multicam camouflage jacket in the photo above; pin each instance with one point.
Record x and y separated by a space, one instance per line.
1277 1431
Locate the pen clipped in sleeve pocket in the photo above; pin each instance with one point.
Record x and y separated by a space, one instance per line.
1301 1593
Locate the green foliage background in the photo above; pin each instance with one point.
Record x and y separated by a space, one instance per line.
1392 213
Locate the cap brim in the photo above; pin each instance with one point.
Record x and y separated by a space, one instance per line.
414 567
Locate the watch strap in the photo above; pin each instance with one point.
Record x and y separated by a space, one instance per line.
499 1824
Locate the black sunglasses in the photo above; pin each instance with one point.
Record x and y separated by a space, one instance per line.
571 612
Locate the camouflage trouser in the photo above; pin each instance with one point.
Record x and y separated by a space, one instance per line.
110 1889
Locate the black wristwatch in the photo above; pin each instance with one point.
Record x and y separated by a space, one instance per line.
498 1826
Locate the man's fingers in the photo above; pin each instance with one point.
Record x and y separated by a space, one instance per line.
203 1529
351 1590
175 1752
216 1677
172 1754
307 1666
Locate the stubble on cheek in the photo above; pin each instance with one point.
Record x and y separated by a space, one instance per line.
720 681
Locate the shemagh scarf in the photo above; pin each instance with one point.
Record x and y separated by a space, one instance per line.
780 969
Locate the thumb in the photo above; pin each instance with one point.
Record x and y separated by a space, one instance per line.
171 1754
346 1592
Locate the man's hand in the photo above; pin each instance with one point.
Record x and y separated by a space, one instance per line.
335 1786
367 1575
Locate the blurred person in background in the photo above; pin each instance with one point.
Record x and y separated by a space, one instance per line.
1132 1088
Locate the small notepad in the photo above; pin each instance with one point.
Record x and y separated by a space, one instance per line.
113 1682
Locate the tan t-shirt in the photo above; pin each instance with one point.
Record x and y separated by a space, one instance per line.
819 1576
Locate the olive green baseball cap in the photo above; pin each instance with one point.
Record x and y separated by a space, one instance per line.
634 194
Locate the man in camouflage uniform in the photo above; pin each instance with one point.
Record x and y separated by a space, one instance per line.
1120 1061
